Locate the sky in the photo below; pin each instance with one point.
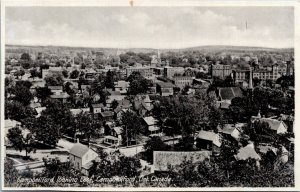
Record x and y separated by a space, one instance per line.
150 27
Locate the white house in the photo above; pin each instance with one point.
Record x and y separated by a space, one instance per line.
81 157
115 138
122 86
56 90
151 123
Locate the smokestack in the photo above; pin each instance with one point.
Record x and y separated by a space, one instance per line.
250 78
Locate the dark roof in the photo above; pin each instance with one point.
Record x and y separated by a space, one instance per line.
79 150
228 93
165 85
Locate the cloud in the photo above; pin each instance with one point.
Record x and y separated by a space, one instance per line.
156 27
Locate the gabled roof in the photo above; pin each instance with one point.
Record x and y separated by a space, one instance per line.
165 85
210 136
11 123
150 120
284 117
123 84
111 92
79 150
227 129
118 130
228 93
115 97
247 152
274 123
107 114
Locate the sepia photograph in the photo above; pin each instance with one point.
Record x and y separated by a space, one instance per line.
107 97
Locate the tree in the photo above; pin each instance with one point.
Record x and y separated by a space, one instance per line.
19 73
138 84
25 57
127 167
114 104
10 173
17 111
183 114
59 114
55 168
54 80
26 84
65 73
132 127
42 93
110 78
19 142
86 124
74 74
154 144
46 130
22 94
25 65
34 73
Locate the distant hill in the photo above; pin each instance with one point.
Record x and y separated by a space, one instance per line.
204 49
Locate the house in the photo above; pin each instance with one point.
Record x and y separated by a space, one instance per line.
152 125
209 140
122 87
163 160
96 108
106 115
81 157
56 90
165 89
226 94
8 123
142 104
115 137
123 104
278 126
288 120
111 92
62 97
200 84
230 131
111 98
